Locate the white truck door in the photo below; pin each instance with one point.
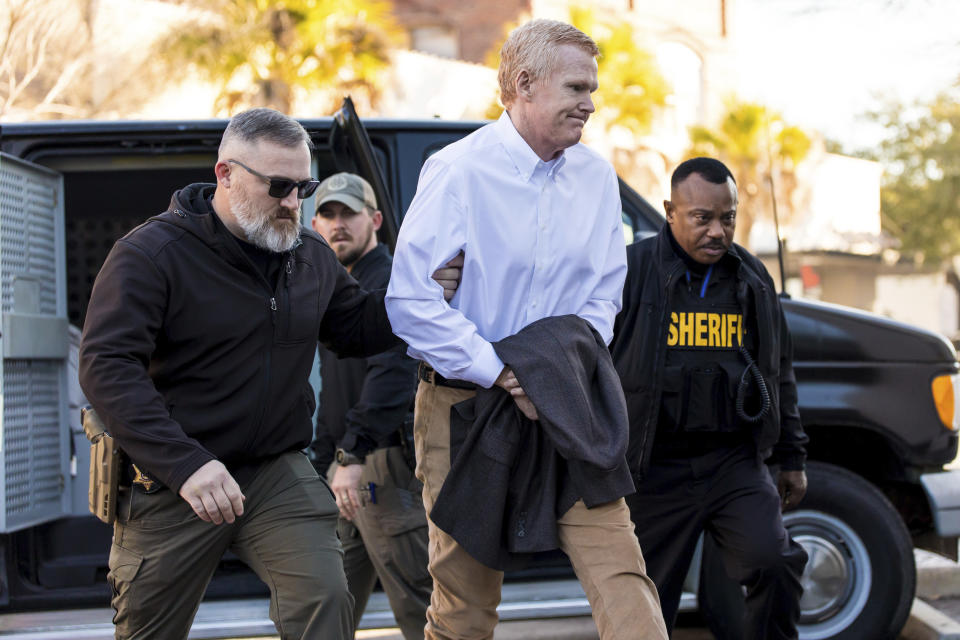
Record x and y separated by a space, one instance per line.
34 434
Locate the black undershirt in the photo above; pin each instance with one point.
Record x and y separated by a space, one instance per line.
267 262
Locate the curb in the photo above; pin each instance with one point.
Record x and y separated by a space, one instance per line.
937 576
927 623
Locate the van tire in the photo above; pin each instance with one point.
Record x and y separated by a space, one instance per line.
861 577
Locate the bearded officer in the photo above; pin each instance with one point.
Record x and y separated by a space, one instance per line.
198 342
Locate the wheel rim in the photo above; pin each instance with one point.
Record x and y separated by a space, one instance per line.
837 578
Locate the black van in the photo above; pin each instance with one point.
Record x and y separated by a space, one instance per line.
877 397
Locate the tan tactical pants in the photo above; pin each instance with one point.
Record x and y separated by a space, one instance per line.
600 543
388 539
163 556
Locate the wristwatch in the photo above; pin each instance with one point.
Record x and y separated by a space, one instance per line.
345 458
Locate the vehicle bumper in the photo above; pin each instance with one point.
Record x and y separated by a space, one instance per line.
943 492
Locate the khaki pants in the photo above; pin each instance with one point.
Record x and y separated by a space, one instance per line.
600 543
163 556
388 539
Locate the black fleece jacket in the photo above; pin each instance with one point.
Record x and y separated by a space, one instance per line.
639 349
364 401
189 354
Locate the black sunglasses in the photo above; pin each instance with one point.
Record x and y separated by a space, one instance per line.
281 187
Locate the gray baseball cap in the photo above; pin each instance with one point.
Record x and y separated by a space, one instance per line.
348 188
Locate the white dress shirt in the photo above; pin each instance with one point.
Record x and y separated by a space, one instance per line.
540 239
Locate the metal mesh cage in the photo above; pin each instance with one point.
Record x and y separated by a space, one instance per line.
34 437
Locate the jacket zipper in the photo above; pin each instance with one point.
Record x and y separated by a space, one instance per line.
265 389
268 355
288 307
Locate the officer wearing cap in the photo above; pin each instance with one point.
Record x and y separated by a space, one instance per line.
364 428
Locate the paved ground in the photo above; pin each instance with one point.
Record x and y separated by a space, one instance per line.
580 628
949 606
938 584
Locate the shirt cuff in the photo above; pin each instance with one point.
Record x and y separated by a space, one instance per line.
358 445
486 368
792 462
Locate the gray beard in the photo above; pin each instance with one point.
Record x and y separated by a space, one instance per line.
262 230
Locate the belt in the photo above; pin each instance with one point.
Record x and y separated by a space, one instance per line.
132 476
427 374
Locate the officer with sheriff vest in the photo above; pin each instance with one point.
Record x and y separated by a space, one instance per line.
704 356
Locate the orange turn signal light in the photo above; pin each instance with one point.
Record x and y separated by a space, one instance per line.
944 398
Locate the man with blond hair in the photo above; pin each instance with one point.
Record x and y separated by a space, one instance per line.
537 216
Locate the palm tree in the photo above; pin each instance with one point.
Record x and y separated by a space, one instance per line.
757 145
263 52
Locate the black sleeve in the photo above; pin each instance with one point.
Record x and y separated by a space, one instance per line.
627 323
322 449
790 452
385 400
626 302
124 317
355 323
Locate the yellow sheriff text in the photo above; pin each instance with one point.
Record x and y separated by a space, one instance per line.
705 329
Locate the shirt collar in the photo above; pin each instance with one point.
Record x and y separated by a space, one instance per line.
524 158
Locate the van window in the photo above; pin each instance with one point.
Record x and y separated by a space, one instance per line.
436 146
628 231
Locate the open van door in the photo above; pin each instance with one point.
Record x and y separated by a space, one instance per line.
354 152
34 438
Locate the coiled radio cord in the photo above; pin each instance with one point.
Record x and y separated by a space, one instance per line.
752 373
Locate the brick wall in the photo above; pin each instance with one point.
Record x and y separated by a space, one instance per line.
476 26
